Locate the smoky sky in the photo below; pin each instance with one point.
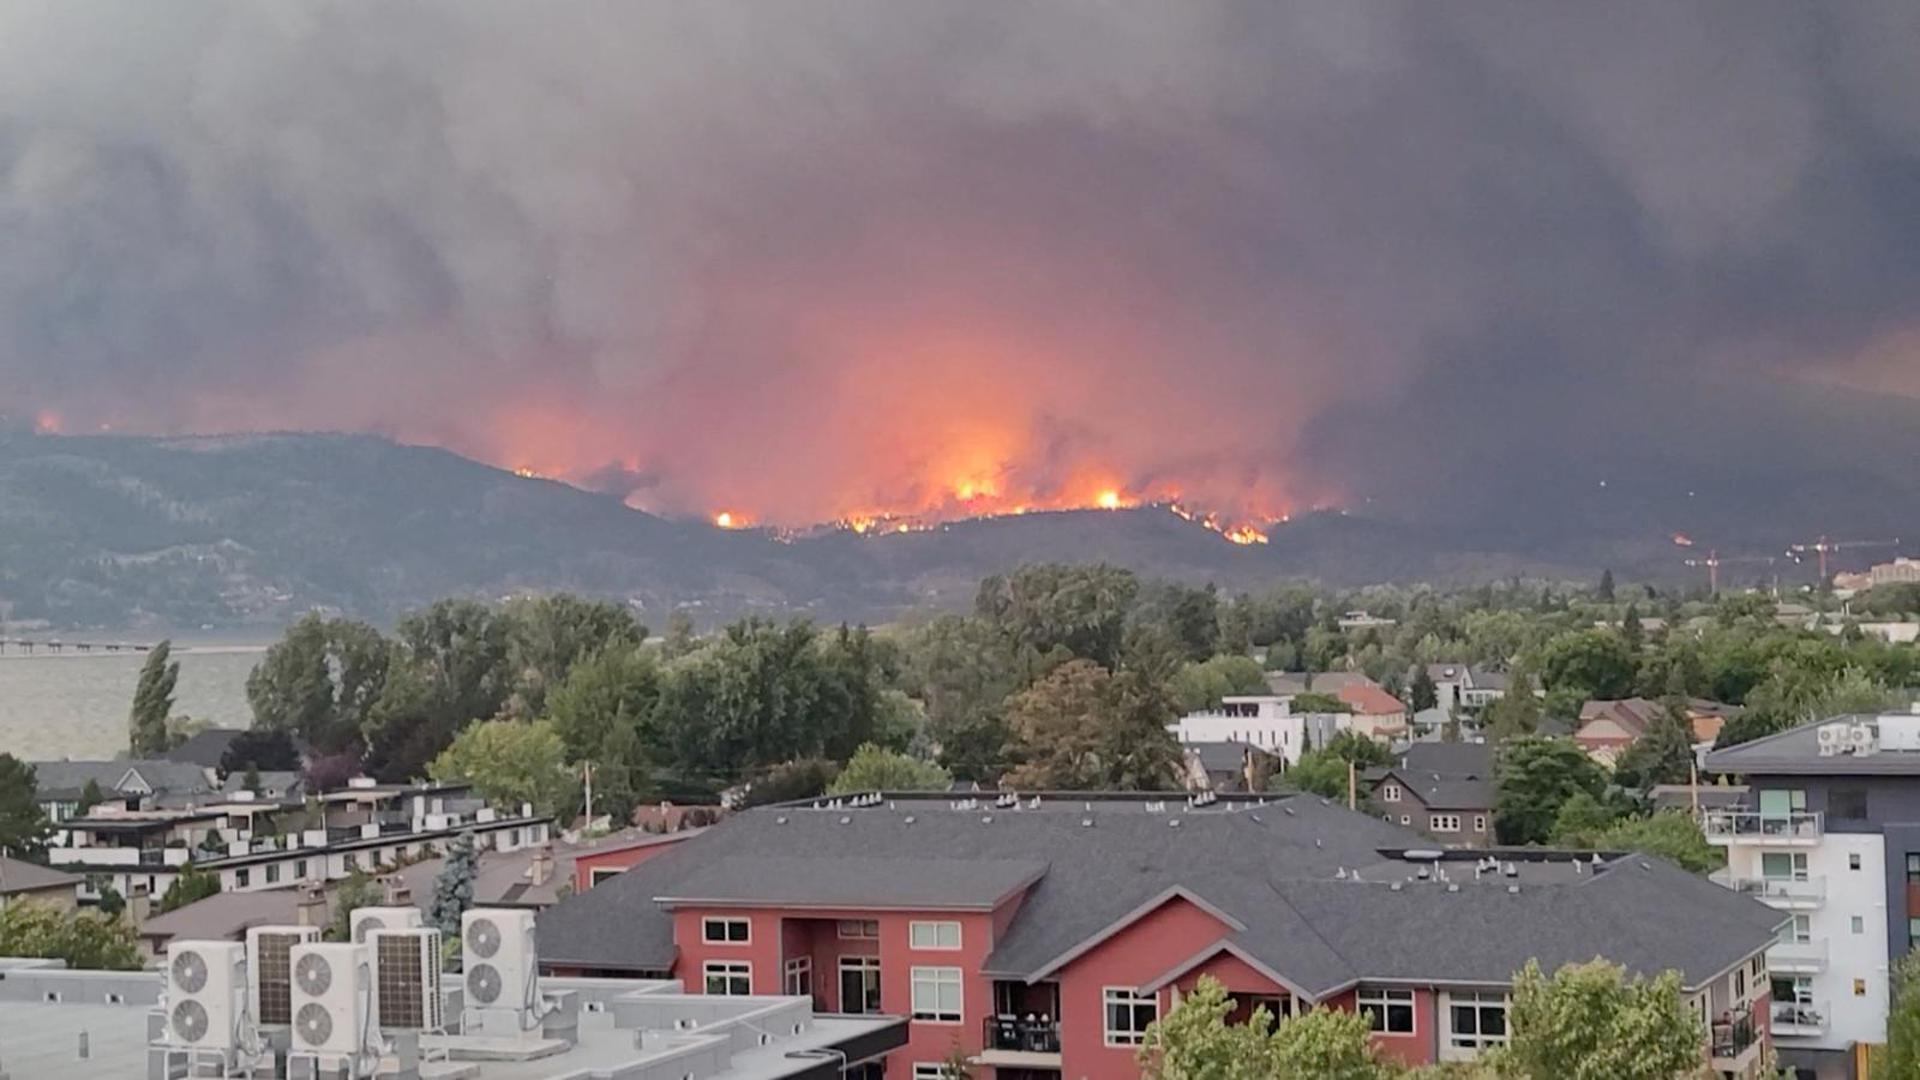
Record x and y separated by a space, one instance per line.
810 258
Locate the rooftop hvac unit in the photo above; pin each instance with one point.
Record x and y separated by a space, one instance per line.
332 1000
206 993
498 958
406 980
1900 731
1863 739
1833 739
270 971
368 919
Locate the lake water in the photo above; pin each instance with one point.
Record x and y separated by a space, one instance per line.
75 705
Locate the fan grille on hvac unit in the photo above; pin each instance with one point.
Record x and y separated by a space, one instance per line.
483 982
276 978
190 1021
190 972
403 997
314 975
367 926
314 1023
483 937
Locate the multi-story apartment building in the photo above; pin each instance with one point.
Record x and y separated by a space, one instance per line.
262 844
1264 721
1830 836
1042 935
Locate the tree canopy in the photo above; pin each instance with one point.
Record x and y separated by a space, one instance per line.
23 826
1534 778
321 682
873 768
510 762
147 733
1590 1022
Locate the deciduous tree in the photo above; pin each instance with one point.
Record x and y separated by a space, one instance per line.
1082 728
86 940
510 762
875 769
23 827
1534 778
321 682
1590 1022
192 883
548 635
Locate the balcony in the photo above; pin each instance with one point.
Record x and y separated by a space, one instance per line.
1734 1043
1012 1042
1799 1019
1787 894
1797 957
1756 827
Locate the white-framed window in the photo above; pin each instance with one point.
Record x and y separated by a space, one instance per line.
934 935
1406 819
860 984
1444 822
929 1070
1479 823
1783 865
1390 1010
1128 1015
860 929
598 874
240 878
1389 792
796 978
936 994
716 930
1859 924
1799 931
1475 1021
728 978
1740 986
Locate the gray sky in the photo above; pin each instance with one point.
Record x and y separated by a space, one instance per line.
805 259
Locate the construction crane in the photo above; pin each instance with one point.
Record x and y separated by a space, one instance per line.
1824 547
1713 561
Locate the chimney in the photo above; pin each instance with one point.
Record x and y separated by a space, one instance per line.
542 865
312 907
140 906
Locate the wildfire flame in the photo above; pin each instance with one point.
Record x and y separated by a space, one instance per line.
1683 540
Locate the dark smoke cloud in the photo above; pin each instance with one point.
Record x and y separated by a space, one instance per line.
818 257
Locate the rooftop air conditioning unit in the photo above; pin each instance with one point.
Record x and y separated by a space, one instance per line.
406 977
206 993
499 958
270 971
332 1000
1863 739
1900 731
1833 738
368 919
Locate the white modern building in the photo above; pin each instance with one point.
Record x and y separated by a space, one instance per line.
1262 720
1830 837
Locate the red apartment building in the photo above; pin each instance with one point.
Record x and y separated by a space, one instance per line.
1043 935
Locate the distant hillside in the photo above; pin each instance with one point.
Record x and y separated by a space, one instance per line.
229 531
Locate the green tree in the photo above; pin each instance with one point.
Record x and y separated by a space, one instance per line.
153 703
1513 715
1315 702
260 748
1198 687
90 797
1327 1044
320 683
1195 1042
1188 616
874 769
1631 632
1080 610
548 635
453 889
1422 694
1318 772
1359 749
680 638
508 763
86 940
1605 591
23 826
1534 778
1581 821
1592 663
610 693
449 668
1671 834
1590 1022
963 669
192 883
1901 1057
358 891
790 780
110 902
1084 729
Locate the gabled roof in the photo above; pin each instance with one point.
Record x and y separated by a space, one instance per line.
1457 759
1370 700
17 876
225 916
66 780
1438 792
1228 756
1323 682
203 748
1282 878
1796 752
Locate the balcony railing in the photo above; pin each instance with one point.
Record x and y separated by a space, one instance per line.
1780 892
1798 955
1022 1036
1753 826
1731 1038
1799 1018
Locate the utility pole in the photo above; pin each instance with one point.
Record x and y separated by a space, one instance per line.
586 774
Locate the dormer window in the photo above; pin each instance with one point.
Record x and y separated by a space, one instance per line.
1390 792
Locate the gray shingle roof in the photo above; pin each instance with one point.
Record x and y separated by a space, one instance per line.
1458 759
1796 752
1278 874
856 881
17 876
56 780
225 916
204 748
1221 757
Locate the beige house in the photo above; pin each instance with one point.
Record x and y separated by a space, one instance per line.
21 882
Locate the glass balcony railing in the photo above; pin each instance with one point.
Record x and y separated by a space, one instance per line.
1753 826
1799 1018
1798 955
